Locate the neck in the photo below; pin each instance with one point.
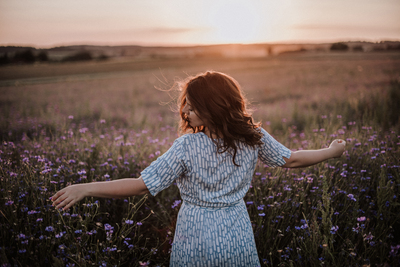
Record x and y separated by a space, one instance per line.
209 134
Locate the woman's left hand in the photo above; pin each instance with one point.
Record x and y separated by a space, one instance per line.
337 147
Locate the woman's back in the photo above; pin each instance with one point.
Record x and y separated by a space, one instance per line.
207 178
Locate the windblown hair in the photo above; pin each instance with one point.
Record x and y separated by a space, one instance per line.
217 99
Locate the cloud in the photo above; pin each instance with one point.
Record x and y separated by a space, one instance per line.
336 27
169 30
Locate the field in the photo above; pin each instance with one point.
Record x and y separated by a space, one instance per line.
81 122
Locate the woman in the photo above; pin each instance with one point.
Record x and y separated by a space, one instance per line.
213 164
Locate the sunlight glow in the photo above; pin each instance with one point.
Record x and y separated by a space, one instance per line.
234 21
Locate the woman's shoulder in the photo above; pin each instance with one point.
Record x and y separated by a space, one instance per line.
191 137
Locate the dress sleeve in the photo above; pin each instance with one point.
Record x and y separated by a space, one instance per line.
162 172
271 152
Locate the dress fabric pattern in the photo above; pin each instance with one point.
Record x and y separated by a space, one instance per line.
213 226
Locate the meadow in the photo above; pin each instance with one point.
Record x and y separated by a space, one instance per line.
81 122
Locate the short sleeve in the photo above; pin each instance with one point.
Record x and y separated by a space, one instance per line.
166 169
272 152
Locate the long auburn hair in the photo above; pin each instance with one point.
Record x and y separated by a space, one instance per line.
218 100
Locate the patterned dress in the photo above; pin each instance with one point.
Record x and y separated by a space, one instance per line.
213 226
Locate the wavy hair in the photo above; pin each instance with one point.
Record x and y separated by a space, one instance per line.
218 100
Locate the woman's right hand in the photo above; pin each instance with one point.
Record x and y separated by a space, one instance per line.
337 147
68 196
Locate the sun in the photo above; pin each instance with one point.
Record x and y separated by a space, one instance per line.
234 21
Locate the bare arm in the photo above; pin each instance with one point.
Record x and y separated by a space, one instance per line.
113 189
304 158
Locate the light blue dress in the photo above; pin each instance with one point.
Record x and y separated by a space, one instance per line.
213 226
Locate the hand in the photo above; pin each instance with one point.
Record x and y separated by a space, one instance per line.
337 147
69 196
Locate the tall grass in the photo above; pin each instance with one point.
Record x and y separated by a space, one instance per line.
341 212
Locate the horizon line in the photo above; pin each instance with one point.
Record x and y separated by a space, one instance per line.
283 42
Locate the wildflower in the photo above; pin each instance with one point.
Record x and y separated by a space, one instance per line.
356 229
351 196
102 121
108 227
59 235
304 226
361 219
49 229
139 223
261 214
368 237
83 130
334 229
129 222
176 203
21 236
70 117
394 250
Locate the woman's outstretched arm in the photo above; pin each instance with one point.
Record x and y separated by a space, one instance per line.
113 189
304 158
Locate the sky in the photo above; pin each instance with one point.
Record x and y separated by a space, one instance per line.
49 23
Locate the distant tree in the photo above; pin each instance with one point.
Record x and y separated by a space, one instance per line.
378 48
339 47
103 57
43 56
4 59
80 56
393 47
358 48
25 56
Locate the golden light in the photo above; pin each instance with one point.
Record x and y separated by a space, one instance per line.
235 21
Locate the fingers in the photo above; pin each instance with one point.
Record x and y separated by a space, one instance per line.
56 196
60 202
70 204
61 199
67 202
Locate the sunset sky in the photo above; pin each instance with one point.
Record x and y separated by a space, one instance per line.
47 23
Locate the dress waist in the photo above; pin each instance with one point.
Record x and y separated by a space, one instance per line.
218 206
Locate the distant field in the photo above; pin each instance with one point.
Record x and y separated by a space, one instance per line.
124 91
